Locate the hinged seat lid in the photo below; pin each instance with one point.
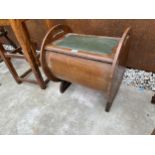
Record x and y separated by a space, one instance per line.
88 46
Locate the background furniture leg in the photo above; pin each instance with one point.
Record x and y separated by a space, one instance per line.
9 65
28 50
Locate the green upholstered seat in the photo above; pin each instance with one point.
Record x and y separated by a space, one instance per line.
95 44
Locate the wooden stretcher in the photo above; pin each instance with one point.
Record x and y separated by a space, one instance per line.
97 62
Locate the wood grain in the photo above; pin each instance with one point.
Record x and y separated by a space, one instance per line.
61 64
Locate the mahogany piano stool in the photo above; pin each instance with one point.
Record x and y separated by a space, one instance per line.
97 62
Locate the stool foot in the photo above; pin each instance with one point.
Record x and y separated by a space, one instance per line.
153 99
64 85
18 81
43 86
108 106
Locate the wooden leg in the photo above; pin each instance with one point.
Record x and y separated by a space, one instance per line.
9 65
1 59
114 87
64 85
153 99
28 51
108 106
38 76
153 133
111 96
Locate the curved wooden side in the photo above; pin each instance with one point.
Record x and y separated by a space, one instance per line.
53 34
118 67
85 72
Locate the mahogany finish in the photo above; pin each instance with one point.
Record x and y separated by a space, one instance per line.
59 64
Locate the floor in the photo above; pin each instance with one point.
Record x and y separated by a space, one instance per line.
26 109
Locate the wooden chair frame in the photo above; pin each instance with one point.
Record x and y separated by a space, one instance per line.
7 59
118 63
20 30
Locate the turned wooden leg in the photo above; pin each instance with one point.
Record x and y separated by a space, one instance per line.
64 85
153 99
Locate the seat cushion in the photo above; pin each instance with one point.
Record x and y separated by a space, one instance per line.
95 44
